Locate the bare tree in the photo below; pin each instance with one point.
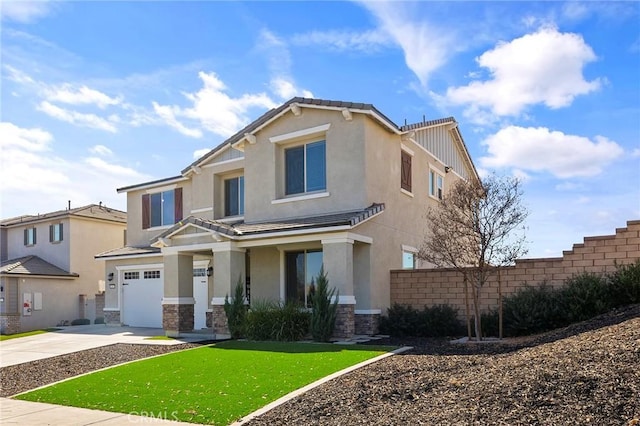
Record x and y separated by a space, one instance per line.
477 228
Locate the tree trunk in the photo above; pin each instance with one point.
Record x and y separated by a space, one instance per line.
466 304
500 303
476 309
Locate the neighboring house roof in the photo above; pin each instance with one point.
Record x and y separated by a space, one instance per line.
33 265
350 218
128 251
95 211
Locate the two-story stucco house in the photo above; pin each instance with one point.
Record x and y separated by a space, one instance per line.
310 183
47 262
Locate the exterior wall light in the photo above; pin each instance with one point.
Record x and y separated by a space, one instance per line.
210 271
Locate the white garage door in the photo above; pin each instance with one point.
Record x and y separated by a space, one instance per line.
142 298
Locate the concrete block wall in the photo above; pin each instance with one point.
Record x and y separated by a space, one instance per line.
429 287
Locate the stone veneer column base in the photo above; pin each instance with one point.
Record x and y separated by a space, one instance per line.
367 324
219 319
9 323
209 320
345 323
177 318
112 317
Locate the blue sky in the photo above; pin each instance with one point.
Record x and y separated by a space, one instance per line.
100 95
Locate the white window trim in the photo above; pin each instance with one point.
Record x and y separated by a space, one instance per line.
158 228
228 219
161 189
202 210
304 133
306 196
405 192
412 250
436 173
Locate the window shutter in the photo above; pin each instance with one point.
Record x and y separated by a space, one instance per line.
34 235
177 198
146 211
61 232
50 233
405 172
26 242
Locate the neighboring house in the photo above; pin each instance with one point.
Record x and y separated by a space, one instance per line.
47 263
310 183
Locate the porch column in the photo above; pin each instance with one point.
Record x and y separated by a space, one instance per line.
337 257
228 268
178 301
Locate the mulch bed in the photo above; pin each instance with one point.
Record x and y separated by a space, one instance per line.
588 373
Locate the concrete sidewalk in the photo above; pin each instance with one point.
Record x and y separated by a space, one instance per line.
15 412
82 337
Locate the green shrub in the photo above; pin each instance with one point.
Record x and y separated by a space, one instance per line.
99 320
236 311
405 321
268 320
584 296
323 311
624 284
533 309
490 323
81 321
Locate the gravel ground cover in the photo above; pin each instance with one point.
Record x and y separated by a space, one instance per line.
587 373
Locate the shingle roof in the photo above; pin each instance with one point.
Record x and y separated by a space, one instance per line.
350 218
128 251
96 211
33 265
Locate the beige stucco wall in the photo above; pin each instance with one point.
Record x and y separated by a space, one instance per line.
264 167
138 237
55 253
60 301
265 273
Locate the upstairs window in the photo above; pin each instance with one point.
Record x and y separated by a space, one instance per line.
30 237
305 168
234 196
161 208
405 171
436 184
55 233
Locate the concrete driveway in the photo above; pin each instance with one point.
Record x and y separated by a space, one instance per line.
82 337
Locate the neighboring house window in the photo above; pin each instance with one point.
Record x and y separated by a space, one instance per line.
436 184
408 260
55 233
132 275
30 237
305 168
150 275
302 270
161 208
234 196
405 171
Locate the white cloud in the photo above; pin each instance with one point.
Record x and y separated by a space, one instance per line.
77 118
28 159
635 153
80 96
213 108
281 83
200 152
101 150
343 40
168 115
426 46
540 149
569 186
24 11
540 68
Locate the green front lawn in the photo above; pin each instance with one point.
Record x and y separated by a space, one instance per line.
214 384
25 334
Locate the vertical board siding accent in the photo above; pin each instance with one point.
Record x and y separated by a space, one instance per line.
229 154
439 141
